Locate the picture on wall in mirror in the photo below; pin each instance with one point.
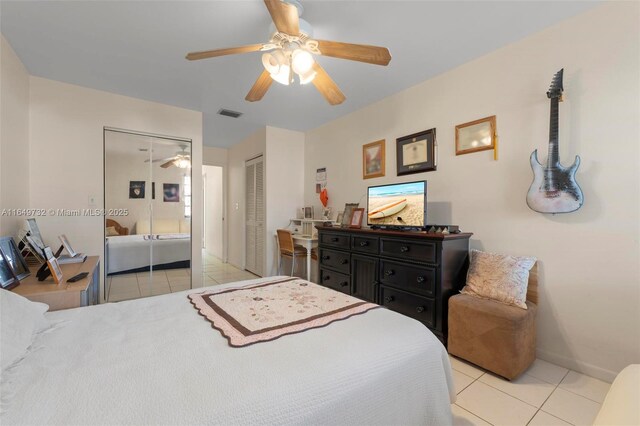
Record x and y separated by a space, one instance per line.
416 153
136 189
171 192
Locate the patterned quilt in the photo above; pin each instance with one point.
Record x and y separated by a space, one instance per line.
267 311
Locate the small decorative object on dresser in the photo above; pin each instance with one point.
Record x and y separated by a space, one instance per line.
373 156
356 218
416 153
339 218
346 216
478 135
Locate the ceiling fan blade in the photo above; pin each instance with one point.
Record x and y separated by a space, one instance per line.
260 87
327 86
222 52
160 159
284 16
167 164
355 52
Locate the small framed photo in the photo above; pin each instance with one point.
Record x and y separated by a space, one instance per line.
416 153
373 157
339 218
171 192
346 216
136 189
7 279
14 258
308 212
474 136
53 265
356 218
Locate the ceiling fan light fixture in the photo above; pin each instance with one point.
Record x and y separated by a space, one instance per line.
283 75
301 61
182 163
307 77
274 61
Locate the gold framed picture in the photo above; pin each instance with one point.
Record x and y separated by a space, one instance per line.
475 136
373 159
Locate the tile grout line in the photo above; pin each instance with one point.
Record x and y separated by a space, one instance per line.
473 414
547 398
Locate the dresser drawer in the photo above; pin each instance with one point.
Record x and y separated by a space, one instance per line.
335 280
334 240
334 259
416 279
411 305
408 250
364 244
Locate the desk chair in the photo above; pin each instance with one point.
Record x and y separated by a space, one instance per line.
288 249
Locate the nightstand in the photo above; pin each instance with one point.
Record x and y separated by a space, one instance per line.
64 295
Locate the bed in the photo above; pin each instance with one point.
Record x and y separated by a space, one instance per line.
132 253
157 361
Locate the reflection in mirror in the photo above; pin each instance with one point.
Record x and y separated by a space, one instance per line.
148 222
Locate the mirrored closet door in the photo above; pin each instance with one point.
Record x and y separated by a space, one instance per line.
147 191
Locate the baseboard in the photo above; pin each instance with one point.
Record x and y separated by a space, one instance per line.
580 367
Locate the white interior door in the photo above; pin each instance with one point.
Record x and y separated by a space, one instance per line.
254 216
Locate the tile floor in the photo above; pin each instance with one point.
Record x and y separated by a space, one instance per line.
133 286
545 395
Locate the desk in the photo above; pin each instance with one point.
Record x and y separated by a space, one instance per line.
64 295
308 243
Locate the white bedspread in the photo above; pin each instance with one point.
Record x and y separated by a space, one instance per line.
128 252
156 361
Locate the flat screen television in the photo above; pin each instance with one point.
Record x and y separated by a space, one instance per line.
400 205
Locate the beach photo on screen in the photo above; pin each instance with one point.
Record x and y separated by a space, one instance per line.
399 205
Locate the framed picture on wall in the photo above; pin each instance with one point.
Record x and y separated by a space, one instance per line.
171 192
373 159
136 189
416 153
478 135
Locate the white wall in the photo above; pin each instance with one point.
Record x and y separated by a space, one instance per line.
14 138
214 210
213 156
589 317
66 143
284 186
239 153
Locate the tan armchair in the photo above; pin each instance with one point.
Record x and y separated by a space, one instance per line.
495 336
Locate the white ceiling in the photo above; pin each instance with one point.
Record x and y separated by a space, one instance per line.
137 48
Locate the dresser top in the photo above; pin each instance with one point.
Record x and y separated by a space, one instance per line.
395 233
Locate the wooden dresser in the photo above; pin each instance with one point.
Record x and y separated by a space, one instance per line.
413 273
64 295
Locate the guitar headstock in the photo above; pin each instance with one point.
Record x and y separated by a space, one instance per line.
555 90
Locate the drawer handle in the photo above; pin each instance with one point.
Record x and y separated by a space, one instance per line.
404 249
326 257
335 239
388 299
364 243
420 309
389 272
344 284
326 278
420 279
344 261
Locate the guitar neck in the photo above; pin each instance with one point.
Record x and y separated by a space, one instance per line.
553 159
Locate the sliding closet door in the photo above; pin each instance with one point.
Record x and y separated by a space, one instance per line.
148 214
254 228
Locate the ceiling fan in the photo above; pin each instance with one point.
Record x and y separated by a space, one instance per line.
181 160
290 52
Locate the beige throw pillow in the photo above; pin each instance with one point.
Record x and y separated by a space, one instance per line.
499 277
111 231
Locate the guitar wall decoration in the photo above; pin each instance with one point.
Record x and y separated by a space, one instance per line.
554 188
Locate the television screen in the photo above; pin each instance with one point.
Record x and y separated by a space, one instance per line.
402 204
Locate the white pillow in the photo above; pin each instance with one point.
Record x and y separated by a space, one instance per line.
499 277
20 320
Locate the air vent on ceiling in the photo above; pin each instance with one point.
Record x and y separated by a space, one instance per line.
229 113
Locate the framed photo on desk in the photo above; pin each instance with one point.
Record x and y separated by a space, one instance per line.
14 257
7 278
